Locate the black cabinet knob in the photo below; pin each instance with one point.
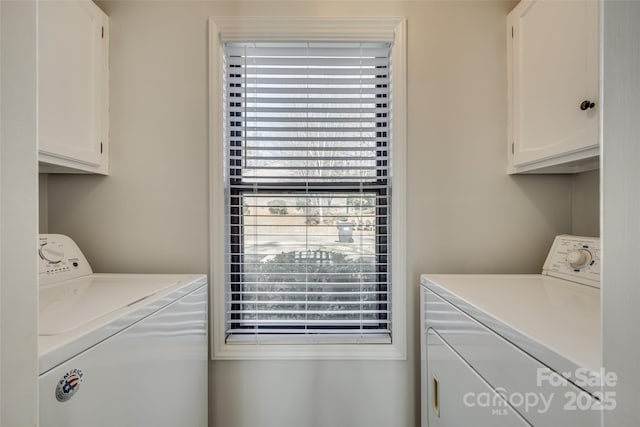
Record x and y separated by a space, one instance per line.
587 105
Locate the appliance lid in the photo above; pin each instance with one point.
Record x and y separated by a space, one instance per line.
68 305
534 311
80 313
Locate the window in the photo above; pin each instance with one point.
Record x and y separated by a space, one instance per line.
309 190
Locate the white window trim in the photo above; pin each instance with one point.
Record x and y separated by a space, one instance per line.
224 29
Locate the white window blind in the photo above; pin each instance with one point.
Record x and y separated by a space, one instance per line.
308 190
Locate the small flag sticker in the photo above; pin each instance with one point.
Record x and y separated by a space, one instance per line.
68 385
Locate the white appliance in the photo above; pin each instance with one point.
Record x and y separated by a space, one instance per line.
118 350
500 335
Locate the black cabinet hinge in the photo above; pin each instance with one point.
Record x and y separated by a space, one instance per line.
101 148
102 32
511 31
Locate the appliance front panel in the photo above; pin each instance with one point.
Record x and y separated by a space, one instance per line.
153 374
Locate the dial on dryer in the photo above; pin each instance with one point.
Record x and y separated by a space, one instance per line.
579 258
51 252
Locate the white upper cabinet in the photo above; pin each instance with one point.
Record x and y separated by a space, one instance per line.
553 70
73 108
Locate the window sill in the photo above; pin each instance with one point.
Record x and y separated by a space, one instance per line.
307 339
252 350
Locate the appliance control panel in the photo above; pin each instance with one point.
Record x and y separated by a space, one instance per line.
574 258
59 258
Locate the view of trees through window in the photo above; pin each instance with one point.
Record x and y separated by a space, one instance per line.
309 258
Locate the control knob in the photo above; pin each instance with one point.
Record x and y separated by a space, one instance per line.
579 258
50 253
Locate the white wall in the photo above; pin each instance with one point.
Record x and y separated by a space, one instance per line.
18 216
621 208
43 203
585 204
465 213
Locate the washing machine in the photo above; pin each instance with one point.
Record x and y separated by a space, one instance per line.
119 350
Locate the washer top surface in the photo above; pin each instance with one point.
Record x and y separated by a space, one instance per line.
78 313
550 318
71 304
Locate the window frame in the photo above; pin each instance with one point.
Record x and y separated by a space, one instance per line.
224 29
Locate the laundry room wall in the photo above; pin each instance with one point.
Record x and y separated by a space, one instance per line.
43 203
465 214
585 204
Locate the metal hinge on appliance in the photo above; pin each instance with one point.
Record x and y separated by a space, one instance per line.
102 32
513 147
101 148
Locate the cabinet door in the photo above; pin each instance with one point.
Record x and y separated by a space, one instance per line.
458 396
554 69
70 78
